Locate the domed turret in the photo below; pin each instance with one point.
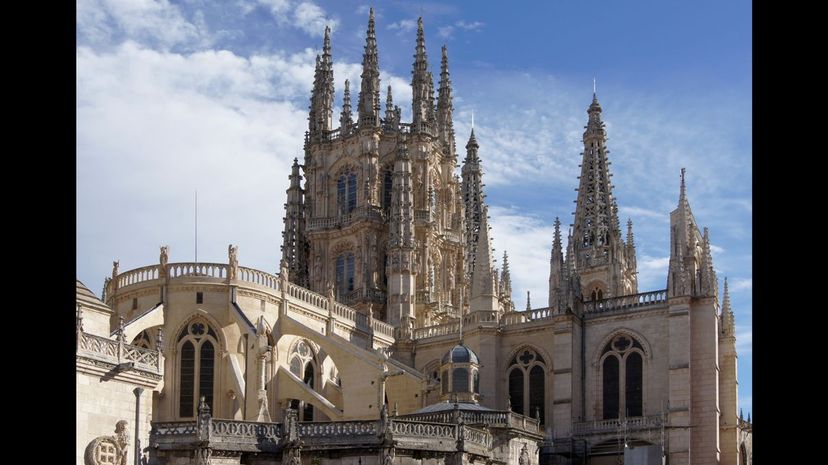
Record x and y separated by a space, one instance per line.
460 378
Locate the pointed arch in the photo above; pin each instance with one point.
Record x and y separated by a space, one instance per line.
598 351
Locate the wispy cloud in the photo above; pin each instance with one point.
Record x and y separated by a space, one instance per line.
158 23
470 26
403 26
305 15
652 272
447 31
740 284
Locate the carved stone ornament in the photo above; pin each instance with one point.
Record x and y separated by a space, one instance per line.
109 450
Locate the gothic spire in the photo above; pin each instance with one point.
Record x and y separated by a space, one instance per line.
345 120
506 278
422 85
369 90
630 239
597 235
684 237
445 109
728 321
483 279
472 188
556 269
294 244
321 109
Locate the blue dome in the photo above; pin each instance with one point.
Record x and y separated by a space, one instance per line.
460 354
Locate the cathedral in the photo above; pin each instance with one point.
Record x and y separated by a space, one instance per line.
389 337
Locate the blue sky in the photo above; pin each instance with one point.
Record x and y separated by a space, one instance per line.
178 96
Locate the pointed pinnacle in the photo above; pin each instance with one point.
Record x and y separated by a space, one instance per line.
683 188
371 21
726 299
528 301
630 239
326 47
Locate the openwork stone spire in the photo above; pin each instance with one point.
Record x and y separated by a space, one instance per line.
483 283
506 284
294 242
422 86
392 112
445 108
728 320
321 108
598 247
345 119
472 188
369 91
556 270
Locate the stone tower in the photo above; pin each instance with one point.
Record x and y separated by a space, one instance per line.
364 177
600 255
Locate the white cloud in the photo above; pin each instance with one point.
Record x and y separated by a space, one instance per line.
744 340
445 32
312 19
304 15
155 22
403 26
470 26
652 272
740 284
528 242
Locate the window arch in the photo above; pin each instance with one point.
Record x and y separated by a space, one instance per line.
196 344
622 378
344 274
346 192
303 364
387 187
527 383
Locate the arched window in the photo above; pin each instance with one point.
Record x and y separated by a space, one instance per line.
611 382
527 383
622 372
344 274
516 390
536 392
633 383
460 379
346 192
387 186
196 366
303 364
476 381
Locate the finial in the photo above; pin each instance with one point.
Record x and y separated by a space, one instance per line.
528 301
594 88
683 187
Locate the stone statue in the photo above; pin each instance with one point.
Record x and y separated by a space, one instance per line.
122 439
524 456
233 261
115 269
164 258
388 458
331 291
283 269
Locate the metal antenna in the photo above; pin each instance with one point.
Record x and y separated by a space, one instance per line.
196 226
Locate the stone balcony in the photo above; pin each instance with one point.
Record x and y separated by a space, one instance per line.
617 426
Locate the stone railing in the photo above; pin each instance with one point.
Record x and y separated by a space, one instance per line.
499 419
116 352
437 330
138 275
423 297
616 425
370 212
174 428
423 216
258 277
626 302
307 296
476 436
451 236
423 430
479 317
246 431
338 429
209 270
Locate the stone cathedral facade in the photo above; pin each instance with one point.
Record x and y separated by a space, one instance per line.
388 336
